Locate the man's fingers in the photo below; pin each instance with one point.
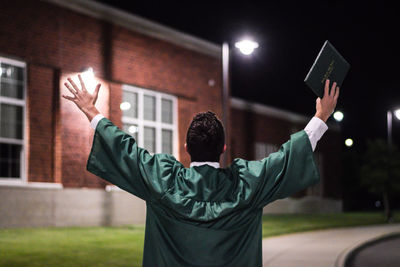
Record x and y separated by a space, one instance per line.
70 89
96 93
73 85
333 90
326 87
96 90
82 83
336 93
68 97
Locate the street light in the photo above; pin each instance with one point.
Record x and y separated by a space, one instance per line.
348 142
389 123
338 116
246 47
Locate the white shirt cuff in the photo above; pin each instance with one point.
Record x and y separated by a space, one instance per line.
96 120
315 129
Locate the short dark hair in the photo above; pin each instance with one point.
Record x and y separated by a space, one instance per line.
205 137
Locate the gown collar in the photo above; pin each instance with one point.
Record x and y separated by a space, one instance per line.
199 163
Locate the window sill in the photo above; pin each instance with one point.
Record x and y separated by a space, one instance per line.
4 182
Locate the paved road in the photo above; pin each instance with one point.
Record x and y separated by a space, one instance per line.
322 248
385 253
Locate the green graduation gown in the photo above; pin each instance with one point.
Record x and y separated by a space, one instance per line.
201 216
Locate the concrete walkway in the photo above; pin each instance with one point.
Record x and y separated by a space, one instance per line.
322 248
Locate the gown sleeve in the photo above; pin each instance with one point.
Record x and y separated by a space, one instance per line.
291 169
116 158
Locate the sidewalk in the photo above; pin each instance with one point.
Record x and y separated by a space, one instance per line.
322 248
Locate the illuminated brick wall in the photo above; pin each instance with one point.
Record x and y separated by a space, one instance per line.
55 42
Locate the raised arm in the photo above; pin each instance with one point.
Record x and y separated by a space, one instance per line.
324 108
115 156
293 167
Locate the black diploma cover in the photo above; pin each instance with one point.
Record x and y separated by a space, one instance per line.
329 64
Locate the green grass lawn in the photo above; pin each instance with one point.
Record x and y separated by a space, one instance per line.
72 246
123 246
291 223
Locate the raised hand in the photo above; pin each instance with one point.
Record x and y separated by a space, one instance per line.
326 106
82 98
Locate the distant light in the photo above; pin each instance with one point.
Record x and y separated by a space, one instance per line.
5 71
348 142
133 129
246 46
397 113
125 106
89 80
338 116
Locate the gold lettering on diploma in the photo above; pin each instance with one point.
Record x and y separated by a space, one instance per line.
328 72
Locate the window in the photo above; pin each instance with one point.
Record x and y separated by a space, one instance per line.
263 150
150 117
12 118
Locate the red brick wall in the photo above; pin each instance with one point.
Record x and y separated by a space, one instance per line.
56 42
40 127
248 127
76 136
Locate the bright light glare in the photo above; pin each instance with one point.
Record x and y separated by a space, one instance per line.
246 46
125 106
348 142
133 129
397 113
338 116
89 80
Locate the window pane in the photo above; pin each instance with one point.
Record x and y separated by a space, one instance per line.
149 107
11 89
12 72
131 129
10 160
10 121
167 141
166 108
131 109
149 136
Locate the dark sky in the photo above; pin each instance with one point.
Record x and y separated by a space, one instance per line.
290 34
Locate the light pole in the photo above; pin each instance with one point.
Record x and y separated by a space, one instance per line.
246 47
389 124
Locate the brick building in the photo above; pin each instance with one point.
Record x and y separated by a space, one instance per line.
154 79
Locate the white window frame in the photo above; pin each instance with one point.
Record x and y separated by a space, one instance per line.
19 102
157 124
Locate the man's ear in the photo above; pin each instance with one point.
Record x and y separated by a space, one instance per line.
224 148
186 148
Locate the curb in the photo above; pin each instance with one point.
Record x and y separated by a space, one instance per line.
348 254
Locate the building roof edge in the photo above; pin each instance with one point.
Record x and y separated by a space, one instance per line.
140 24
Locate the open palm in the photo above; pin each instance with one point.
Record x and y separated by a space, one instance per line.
82 98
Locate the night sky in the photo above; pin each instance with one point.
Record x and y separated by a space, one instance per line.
290 34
